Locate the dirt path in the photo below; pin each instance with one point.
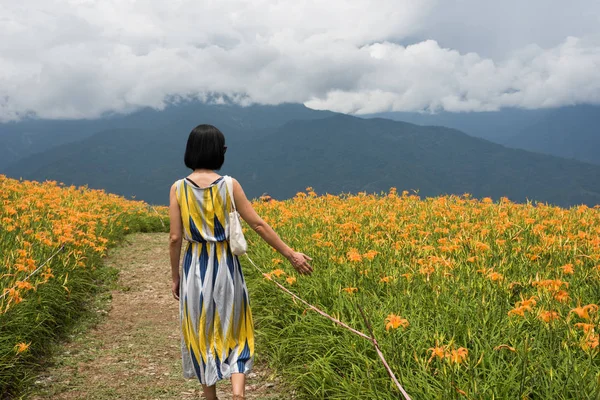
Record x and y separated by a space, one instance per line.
134 351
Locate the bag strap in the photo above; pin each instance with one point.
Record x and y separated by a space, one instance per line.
229 183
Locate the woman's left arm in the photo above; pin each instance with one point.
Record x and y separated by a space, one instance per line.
175 239
298 260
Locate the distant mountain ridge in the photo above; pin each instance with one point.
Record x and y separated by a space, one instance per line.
333 153
495 126
25 138
571 132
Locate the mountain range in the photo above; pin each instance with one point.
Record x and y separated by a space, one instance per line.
284 149
21 139
571 132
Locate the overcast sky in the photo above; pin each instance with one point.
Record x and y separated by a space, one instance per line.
83 58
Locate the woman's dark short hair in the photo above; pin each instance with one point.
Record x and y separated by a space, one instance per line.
205 148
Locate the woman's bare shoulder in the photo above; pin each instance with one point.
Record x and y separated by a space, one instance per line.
175 184
236 184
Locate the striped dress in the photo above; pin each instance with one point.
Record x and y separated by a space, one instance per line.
217 332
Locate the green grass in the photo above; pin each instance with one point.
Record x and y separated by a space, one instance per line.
457 305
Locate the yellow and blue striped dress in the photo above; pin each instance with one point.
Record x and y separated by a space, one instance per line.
217 337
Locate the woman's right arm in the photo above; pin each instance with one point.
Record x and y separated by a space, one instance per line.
175 238
298 260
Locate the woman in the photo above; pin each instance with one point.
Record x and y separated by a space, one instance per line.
216 320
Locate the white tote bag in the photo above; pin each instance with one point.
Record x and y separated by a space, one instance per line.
237 241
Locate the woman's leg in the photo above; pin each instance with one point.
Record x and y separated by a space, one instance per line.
238 384
210 392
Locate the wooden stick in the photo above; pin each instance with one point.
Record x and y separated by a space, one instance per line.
369 338
37 269
387 367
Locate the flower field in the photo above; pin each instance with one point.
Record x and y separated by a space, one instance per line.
468 299
52 239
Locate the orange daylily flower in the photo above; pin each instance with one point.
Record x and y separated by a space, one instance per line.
519 310
457 356
22 347
426 270
290 279
590 342
587 328
370 254
353 255
568 268
583 312
593 341
495 276
522 306
481 246
548 316
562 296
278 272
438 352
550 284
24 285
530 302
394 321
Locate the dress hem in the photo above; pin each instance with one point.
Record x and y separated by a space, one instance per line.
226 376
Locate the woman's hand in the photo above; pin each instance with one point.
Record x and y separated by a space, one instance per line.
175 289
300 262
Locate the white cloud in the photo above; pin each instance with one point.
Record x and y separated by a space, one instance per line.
425 76
82 58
